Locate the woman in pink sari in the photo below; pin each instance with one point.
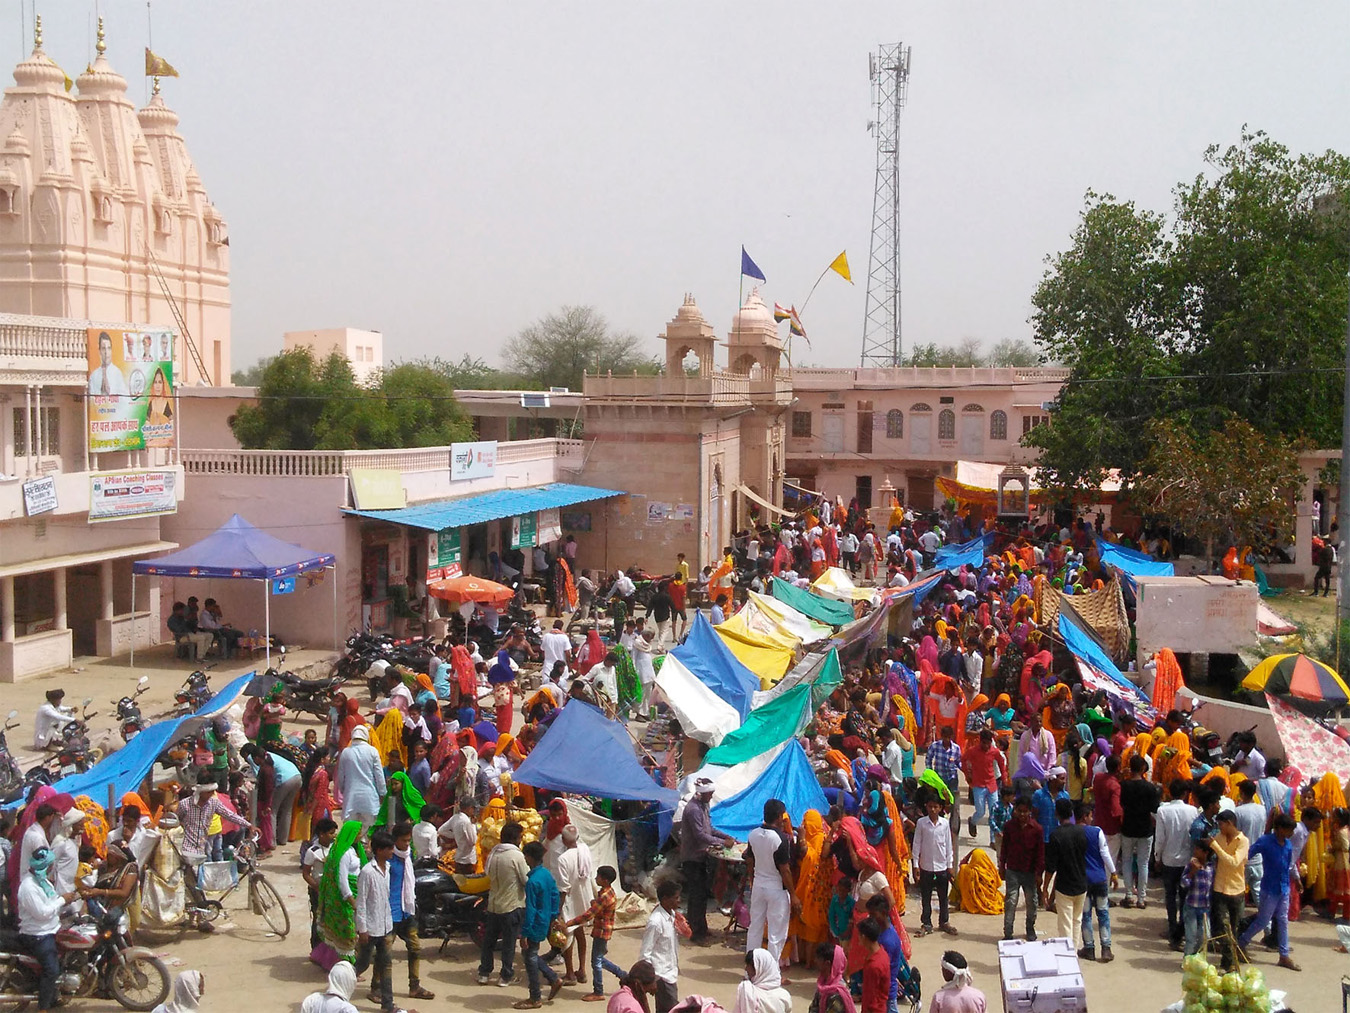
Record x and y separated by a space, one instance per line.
592 652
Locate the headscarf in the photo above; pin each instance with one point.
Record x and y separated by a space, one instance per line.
1002 701
463 666
930 777
591 654
831 982
502 670
424 682
813 883
407 793
468 773
1084 732
851 828
764 977
336 913
981 700
506 743
388 738
961 976
837 759
38 863
558 818
95 829
350 722
187 993
341 985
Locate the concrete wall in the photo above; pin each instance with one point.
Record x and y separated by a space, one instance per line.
204 415
1195 614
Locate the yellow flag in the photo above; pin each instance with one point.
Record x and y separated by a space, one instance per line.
840 267
157 66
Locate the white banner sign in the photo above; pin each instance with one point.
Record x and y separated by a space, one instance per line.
473 460
39 496
123 494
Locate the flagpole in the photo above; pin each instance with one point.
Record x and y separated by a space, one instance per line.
813 289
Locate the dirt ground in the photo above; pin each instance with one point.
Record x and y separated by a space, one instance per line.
247 969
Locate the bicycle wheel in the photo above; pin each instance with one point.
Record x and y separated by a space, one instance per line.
264 900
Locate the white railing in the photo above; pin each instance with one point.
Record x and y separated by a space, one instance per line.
42 342
927 376
322 463
720 388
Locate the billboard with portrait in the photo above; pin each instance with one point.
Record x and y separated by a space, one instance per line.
130 392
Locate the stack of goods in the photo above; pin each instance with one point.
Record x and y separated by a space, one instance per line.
490 830
1205 990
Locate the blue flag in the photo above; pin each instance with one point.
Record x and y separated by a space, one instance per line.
749 267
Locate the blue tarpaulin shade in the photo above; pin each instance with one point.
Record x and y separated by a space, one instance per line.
789 779
823 610
125 769
710 660
1084 646
1132 563
971 553
236 550
239 551
586 753
488 506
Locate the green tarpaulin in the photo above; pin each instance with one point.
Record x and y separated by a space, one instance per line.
831 675
765 727
833 613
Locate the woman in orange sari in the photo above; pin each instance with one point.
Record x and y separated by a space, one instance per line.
815 877
1172 759
1058 714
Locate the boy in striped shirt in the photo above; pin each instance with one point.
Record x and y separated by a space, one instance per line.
601 916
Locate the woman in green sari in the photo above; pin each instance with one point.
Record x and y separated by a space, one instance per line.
408 801
337 890
626 675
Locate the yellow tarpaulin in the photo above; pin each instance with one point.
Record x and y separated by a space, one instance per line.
836 583
768 655
789 620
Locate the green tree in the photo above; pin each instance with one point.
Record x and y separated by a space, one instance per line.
305 404
968 352
252 375
1014 352
1231 484
556 350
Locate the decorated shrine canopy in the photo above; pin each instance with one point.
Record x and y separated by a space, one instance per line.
586 753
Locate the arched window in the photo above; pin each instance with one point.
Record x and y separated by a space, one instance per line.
973 408
895 424
920 407
998 425
946 424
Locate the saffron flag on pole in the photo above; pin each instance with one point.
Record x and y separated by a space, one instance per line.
157 66
781 313
749 268
840 267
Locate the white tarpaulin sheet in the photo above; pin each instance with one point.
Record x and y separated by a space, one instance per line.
799 624
702 713
597 833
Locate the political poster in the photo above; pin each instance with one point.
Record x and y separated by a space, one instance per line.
473 460
130 391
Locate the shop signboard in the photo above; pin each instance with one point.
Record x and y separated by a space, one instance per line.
39 496
473 460
130 403
283 585
524 529
443 554
117 495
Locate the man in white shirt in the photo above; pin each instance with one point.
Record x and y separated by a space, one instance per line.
460 830
605 678
106 379
375 918
660 945
768 861
575 875
867 552
360 778
930 541
426 842
50 718
1249 761
893 758
1172 849
848 551
39 912
556 646
933 862
313 856
752 549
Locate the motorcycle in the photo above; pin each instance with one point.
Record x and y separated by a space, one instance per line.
129 720
192 695
73 754
96 957
309 696
11 777
444 910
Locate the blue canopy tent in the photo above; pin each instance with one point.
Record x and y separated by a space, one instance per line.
706 655
789 778
586 753
239 551
953 557
123 771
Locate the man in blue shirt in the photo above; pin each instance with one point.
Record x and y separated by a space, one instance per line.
403 910
1043 800
879 910
440 674
1277 856
542 904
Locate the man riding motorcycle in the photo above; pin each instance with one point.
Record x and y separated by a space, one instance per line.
51 718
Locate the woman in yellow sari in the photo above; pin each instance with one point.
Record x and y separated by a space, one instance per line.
1141 746
815 877
1172 759
388 737
1328 797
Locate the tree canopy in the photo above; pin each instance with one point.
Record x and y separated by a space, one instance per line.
307 404
971 352
1232 306
557 349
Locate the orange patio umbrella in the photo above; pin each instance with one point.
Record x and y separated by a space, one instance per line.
458 590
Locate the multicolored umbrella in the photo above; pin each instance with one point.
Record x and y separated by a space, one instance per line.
458 590
1300 676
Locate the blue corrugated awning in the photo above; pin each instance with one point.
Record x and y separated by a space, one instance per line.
488 506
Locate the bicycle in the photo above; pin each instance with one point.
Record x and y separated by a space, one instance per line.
263 899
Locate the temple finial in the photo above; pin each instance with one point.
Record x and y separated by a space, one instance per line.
100 46
37 33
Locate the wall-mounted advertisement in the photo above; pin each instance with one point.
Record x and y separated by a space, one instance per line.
443 554
473 460
130 395
118 495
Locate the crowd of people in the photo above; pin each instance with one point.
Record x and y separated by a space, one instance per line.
962 713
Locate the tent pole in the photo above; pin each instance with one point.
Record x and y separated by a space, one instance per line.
267 618
133 618
337 637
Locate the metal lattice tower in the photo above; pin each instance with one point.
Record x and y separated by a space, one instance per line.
888 69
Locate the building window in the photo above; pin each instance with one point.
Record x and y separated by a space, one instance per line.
51 432
895 424
946 424
973 408
801 425
865 427
914 409
1030 422
998 425
862 489
164 222
7 203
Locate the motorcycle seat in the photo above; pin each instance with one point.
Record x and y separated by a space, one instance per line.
9 941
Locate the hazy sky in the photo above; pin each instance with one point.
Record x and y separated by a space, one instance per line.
448 172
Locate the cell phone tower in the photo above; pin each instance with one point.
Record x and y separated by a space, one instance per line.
888 70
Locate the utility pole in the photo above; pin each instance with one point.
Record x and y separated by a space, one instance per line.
888 69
